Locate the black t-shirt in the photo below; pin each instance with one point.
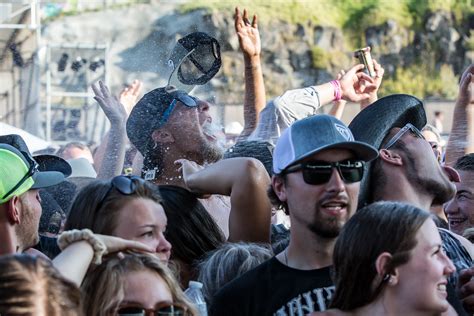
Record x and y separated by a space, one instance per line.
272 288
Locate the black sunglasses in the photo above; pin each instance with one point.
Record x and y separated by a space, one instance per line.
161 310
31 171
124 184
320 172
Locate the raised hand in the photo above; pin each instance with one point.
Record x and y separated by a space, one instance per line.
187 167
115 244
111 106
372 90
129 95
466 87
356 85
190 171
248 34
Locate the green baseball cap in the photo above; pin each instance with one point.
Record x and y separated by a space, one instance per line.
16 173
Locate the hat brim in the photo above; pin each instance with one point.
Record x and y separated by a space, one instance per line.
361 151
373 124
52 170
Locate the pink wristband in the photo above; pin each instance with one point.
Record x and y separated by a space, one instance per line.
337 90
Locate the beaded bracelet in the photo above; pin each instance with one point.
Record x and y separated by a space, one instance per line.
68 237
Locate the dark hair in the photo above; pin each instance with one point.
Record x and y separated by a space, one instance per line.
96 206
191 229
376 173
32 286
274 200
465 163
153 157
380 227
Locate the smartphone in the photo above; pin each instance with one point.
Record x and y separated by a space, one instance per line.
364 57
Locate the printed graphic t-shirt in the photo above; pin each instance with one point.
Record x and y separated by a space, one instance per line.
272 288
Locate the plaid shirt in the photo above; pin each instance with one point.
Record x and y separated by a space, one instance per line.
456 252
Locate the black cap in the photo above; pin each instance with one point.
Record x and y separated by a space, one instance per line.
373 124
147 115
195 60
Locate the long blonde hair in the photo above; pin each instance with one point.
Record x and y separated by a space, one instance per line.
32 286
103 286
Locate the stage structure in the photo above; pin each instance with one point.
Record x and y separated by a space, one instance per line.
46 86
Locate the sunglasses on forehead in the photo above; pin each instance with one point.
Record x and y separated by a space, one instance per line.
182 97
408 127
320 172
126 185
160 310
31 171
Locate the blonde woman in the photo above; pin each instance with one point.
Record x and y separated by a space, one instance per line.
32 286
137 284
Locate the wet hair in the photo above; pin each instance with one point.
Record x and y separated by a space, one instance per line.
227 263
395 226
32 286
465 163
103 286
191 229
98 204
153 158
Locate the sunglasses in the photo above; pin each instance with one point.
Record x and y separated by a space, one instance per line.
409 127
31 171
320 172
124 184
182 97
162 309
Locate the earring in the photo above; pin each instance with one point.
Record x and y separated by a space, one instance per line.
386 278
156 145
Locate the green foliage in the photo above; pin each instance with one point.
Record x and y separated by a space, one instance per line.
320 58
422 82
470 42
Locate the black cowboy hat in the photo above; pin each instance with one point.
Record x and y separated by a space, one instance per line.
373 124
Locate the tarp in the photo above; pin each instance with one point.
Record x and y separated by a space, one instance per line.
33 142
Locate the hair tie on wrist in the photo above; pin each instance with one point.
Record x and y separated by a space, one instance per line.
71 236
337 90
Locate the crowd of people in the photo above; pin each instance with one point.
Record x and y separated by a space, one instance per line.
302 215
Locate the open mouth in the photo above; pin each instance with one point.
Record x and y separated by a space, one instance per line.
456 222
441 287
334 207
210 130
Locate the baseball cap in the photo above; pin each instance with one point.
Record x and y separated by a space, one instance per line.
19 168
313 134
373 124
147 114
194 61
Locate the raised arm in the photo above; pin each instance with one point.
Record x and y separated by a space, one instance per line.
461 138
112 148
249 41
75 259
246 181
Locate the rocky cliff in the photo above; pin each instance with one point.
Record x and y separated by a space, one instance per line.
424 61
